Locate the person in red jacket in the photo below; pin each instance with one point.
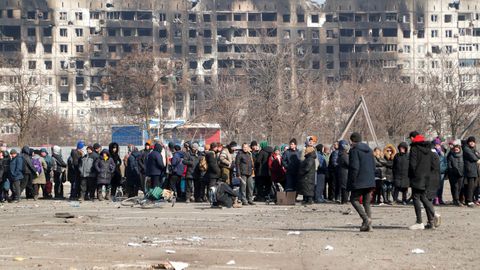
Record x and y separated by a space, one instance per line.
275 166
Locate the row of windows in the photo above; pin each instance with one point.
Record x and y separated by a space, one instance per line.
395 17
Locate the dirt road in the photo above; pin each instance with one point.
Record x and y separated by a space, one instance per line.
254 237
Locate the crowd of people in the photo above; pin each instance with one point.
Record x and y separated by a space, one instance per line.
233 175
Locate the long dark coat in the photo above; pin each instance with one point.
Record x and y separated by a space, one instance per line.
306 175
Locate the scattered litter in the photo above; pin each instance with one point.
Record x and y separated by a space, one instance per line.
134 244
293 233
179 265
194 239
75 204
328 247
18 259
418 251
168 265
231 262
64 215
169 251
348 212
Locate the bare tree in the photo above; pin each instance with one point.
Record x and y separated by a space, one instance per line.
449 96
141 81
24 89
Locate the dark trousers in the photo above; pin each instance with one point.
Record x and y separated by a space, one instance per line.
456 184
58 185
155 181
83 188
263 185
320 187
379 191
440 187
16 190
116 182
190 188
470 189
174 181
419 198
365 211
331 180
397 191
75 187
27 185
338 188
36 188
199 189
291 182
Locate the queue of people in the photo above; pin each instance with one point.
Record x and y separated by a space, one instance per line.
235 175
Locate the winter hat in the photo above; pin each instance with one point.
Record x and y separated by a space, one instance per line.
403 145
43 150
457 142
437 141
293 141
263 144
343 146
471 139
80 145
356 137
13 152
276 148
195 146
313 138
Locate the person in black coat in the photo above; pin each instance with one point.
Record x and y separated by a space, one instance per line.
141 160
155 167
471 158
306 174
291 162
455 171
29 173
342 170
361 179
380 176
132 173
400 173
114 149
423 179
194 185
213 173
263 183
105 167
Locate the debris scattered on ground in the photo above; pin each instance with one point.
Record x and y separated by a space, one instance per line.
231 262
194 239
134 244
18 259
348 212
328 247
64 215
293 233
418 251
170 251
169 265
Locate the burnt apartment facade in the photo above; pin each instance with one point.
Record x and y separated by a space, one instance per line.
71 43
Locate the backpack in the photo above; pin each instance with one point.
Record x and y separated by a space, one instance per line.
37 164
202 165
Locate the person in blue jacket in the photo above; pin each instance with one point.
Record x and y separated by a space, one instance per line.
16 174
155 167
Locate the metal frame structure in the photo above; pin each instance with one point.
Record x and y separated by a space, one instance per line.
362 105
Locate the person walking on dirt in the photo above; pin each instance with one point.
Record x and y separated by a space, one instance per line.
422 178
361 179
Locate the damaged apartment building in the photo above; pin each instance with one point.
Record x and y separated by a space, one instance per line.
72 42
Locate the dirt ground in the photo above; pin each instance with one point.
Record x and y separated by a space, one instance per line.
254 237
